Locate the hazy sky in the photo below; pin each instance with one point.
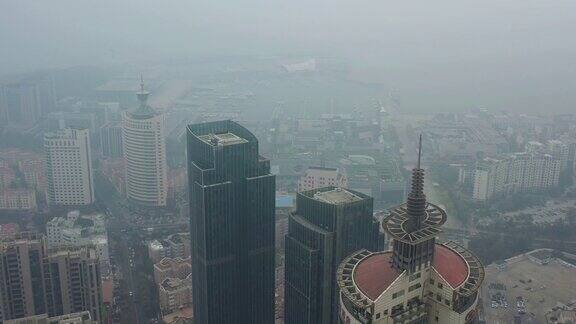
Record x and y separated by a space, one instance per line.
472 48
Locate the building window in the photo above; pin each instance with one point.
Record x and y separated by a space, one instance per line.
439 297
431 281
397 294
378 316
440 285
415 276
414 287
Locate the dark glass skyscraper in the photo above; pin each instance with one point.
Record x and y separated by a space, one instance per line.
232 207
327 225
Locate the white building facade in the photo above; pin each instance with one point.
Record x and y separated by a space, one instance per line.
18 199
69 167
521 172
320 177
66 232
143 134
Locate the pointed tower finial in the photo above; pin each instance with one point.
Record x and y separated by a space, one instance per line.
419 151
142 94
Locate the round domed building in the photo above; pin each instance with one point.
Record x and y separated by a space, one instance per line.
419 280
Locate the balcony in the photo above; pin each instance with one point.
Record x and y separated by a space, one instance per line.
413 313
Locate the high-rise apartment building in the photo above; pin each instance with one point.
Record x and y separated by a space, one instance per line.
559 150
327 225
419 281
25 102
36 281
143 132
72 282
69 167
19 103
232 210
21 283
519 172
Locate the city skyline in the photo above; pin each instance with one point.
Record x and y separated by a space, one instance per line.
287 162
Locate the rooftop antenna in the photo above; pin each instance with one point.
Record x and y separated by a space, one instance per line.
141 83
419 151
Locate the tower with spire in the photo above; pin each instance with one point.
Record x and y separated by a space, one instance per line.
142 94
419 280
143 111
143 137
414 225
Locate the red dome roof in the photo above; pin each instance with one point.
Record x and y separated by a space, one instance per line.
450 265
375 273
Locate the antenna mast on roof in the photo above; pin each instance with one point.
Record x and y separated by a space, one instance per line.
419 151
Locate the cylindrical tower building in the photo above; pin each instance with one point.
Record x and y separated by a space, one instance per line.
143 135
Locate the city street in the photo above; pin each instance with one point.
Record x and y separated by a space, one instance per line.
118 228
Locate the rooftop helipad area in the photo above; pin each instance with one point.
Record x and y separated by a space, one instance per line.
223 139
337 196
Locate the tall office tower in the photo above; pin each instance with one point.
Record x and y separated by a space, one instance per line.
19 103
328 224
36 281
73 283
232 210
111 140
419 281
69 167
21 286
26 101
145 154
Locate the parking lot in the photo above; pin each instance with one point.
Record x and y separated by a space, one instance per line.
525 289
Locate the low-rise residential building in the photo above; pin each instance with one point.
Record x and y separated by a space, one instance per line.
175 246
320 177
175 293
80 230
463 139
18 199
9 230
26 167
7 175
74 318
171 268
181 316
